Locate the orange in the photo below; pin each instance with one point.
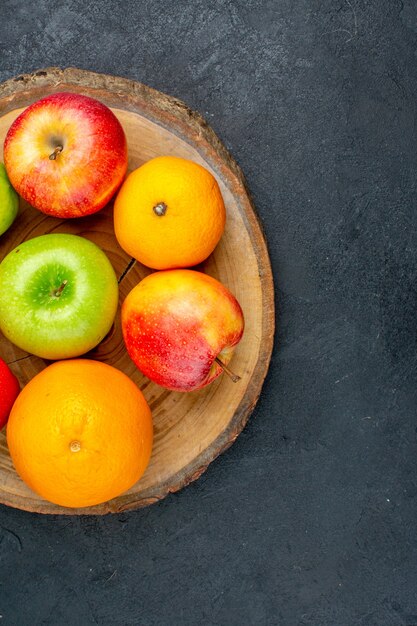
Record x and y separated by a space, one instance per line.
80 433
169 213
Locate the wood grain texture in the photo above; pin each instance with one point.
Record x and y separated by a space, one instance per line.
190 429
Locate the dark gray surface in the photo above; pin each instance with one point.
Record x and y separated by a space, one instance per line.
310 518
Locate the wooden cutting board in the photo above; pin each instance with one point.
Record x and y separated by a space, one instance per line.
190 429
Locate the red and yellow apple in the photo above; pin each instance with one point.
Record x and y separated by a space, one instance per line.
176 323
66 155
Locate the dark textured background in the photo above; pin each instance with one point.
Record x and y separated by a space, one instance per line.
310 518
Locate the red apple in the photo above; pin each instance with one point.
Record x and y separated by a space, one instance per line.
9 390
176 323
66 154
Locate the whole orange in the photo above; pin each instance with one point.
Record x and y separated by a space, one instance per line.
80 433
169 213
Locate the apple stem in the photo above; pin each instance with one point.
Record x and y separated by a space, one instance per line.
60 289
160 209
55 153
234 377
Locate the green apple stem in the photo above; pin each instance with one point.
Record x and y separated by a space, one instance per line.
234 377
55 153
60 289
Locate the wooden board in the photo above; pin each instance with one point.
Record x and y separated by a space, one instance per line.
190 429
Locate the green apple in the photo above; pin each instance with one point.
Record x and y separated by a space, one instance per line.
58 296
9 201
